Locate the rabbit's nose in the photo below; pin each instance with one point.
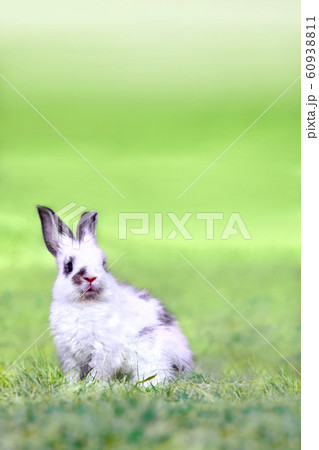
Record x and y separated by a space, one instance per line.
90 280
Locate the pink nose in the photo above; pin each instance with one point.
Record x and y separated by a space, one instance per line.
90 280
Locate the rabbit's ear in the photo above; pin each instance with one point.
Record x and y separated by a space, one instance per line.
87 225
52 229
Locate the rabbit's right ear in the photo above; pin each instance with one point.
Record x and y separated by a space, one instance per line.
87 226
53 228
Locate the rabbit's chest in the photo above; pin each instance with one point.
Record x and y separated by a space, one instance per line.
86 331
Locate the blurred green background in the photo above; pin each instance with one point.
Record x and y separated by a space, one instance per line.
151 93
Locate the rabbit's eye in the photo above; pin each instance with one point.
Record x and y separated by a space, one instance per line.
69 267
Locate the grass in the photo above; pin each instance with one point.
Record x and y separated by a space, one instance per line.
41 410
152 95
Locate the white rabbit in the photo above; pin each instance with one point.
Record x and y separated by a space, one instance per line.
103 329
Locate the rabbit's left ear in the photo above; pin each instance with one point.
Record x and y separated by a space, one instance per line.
87 226
53 229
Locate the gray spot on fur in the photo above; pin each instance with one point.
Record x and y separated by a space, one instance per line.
77 278
85 369
144 295
178 369
146 330
165 317
122 374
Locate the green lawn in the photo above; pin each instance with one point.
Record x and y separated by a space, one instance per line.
152 98
41 410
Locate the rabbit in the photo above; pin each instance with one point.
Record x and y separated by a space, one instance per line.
102 329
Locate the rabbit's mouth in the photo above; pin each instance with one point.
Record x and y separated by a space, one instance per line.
91 291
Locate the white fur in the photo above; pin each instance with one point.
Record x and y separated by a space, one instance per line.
114 331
